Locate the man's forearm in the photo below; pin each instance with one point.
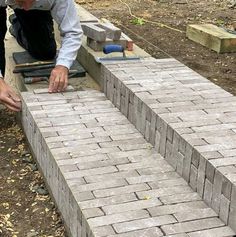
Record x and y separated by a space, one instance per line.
3 29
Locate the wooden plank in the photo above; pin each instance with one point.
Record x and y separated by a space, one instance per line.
213 37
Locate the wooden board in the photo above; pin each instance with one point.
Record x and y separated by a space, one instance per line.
213 37
24 57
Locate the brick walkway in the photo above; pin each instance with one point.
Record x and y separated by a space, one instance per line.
188 119
107 180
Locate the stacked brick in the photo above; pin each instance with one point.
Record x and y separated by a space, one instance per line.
106 179
103 34
189 120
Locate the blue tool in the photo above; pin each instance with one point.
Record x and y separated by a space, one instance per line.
115 49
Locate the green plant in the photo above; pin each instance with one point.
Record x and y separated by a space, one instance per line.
220 22
138 21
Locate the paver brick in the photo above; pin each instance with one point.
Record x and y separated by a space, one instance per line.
144 223
152 178
217 190
192 226
215 232
180 207
83 196
150 232
232 215
116 175
103 231
101 185
102 163
131 206
116 218
161 192
224 208
82 173
120 190
178 235
195 215
167 183
94 32
93 212
100 202
180 198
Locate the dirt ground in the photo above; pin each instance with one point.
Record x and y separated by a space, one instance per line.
163 42
26 209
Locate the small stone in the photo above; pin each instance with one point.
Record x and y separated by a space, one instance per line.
33 167
42 191
27 159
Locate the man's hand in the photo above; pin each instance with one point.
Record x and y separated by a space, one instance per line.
58 80
8 97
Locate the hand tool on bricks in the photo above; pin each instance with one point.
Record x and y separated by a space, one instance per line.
29 67
115 49
34 64
31 80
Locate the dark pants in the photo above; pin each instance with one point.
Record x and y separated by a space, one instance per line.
3 30
34 32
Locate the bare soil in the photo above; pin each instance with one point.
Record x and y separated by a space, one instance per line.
164 42
26 209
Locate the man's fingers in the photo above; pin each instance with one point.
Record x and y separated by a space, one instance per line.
14 96
56 84
65 83
51 82
61 84
11 104
12 108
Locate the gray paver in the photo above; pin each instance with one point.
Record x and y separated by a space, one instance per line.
197 214
192 226
180 207
144 223
131 206
215 232
103 231
150 232
116 218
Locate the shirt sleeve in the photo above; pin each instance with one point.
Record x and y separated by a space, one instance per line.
66 16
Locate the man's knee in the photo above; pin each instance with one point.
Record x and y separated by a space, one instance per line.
45 52
3 26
